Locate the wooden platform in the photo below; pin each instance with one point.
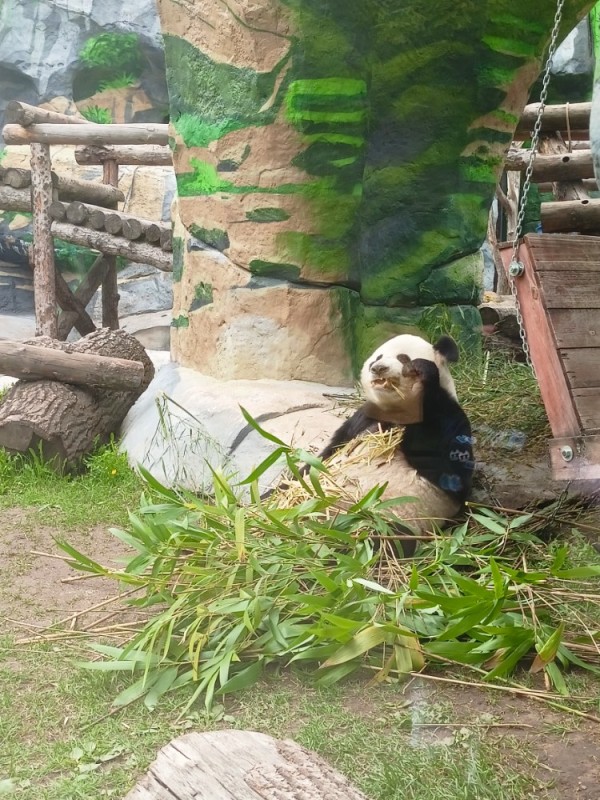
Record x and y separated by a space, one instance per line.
240 765
559 294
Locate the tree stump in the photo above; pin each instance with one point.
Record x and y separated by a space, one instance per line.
240 765
64 421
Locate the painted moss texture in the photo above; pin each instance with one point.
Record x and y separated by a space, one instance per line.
351 144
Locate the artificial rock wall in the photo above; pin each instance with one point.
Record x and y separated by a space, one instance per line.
335 164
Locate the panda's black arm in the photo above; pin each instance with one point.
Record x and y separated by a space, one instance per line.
351 428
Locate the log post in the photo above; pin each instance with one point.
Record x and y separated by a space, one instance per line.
110 289
42 251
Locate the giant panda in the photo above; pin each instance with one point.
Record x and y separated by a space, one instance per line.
407 383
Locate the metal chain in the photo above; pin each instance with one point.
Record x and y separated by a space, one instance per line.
516 268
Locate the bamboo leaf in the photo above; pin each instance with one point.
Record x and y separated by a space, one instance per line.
548 651
360 643
243 678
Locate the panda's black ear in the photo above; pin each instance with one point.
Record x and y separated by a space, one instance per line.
447 347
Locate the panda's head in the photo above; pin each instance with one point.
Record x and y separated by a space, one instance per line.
391 384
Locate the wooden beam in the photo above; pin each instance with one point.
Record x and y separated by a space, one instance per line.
585 463
581 216
111 245
134 155
575 116
33 363
563 190
549 370
42 250
89 133
556 167
83 294
26 115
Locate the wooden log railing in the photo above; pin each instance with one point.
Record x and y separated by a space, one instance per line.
60 205
26 115
134 155
140 252
66 188
114 222
573 166
565 117
88 133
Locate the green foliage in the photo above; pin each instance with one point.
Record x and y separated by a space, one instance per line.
198 132
97 114
235 587
120 82
119 52
73 258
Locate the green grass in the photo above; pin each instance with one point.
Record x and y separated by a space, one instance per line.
47 752
101 493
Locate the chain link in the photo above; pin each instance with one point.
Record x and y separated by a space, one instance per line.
516 268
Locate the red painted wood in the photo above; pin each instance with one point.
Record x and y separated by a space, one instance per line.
552 381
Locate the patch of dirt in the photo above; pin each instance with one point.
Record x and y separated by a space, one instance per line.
36 584
566 748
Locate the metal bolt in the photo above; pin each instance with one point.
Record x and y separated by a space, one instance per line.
567 453
516 269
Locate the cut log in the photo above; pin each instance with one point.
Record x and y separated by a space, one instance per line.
87 133
32 363
14 199
240 765
58 210
132 229
97 218
134 155
166 240
25 115
139 252
558 167
573 116
113 223
17 178
153 232
83 294
76 213
582 216
42 250
63 420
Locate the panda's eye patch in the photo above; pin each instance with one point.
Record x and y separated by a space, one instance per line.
376 360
